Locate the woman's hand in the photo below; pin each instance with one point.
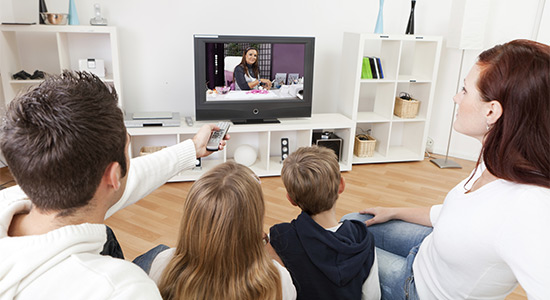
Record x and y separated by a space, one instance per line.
266 83
417 215
381 214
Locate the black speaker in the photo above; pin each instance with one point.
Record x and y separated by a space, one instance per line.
329 140
198 164
284 149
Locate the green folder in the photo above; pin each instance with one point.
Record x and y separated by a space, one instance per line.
366 72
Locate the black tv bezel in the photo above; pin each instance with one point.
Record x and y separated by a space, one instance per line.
248 111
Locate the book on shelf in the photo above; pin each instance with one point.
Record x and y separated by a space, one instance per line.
379 64
366 72
373 67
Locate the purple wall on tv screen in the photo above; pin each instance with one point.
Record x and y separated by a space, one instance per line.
288 58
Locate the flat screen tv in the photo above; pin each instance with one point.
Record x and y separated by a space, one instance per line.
285 71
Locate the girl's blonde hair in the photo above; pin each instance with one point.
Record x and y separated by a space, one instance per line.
220 253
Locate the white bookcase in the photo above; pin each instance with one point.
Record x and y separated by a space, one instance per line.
265 138
410 64
52 49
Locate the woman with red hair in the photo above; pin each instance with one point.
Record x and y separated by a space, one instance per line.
493 229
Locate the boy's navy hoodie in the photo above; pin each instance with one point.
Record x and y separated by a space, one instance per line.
325 264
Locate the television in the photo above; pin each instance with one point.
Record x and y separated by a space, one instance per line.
285 61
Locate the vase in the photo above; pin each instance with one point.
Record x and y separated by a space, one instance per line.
410 24
73 15
42 9
379 28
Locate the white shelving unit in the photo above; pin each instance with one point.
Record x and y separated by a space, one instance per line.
410 64
265 138
52 49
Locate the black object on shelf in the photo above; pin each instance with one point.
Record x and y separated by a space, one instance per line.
410 24
42 9
329 140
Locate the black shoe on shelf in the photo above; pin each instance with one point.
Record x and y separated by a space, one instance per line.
37 75
21 75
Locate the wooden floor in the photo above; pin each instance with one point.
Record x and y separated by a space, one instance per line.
155 219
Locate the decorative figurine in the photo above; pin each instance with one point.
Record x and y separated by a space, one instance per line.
379 28
42 9
73 15
410 24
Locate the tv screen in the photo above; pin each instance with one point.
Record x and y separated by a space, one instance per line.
253 79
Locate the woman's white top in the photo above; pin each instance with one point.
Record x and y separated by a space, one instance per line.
486 241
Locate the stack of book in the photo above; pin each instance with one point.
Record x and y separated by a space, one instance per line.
372 68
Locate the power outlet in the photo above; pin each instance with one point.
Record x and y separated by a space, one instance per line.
430 145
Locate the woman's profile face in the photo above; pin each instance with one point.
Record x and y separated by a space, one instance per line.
471 118
251 56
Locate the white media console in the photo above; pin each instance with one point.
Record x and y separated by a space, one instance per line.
265 138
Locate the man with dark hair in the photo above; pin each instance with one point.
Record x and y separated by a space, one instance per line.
66 144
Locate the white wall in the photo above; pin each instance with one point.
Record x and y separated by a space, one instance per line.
156 44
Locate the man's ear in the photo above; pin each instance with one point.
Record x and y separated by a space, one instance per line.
494 112
111 177
342 185
290 200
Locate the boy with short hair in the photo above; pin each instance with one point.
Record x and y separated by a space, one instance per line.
327 259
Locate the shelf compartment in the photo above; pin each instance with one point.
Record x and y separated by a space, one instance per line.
406 140
21 52
417 59
381 132
377 98
76 46
136 142
296 139
52 49
387 51
418 91
258 141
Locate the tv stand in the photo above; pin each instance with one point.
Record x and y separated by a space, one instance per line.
265 138
255 121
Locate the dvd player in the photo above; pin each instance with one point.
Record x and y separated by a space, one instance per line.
148 119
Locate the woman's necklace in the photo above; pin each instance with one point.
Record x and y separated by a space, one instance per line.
485 178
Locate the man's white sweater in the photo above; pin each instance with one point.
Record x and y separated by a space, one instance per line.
65 263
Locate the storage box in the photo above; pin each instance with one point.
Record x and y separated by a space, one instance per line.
406 109
364 145
150 149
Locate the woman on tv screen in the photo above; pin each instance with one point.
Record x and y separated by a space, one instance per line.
247 73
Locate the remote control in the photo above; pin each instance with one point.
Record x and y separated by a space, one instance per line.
189 121
217 136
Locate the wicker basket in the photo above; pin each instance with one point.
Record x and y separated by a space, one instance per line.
149 149
406 109
364 147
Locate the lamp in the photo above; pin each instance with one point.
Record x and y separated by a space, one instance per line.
467 32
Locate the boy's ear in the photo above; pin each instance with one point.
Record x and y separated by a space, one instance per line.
342 186
290 200
111 177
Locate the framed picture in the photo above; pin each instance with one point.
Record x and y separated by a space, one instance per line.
292 77
280 78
